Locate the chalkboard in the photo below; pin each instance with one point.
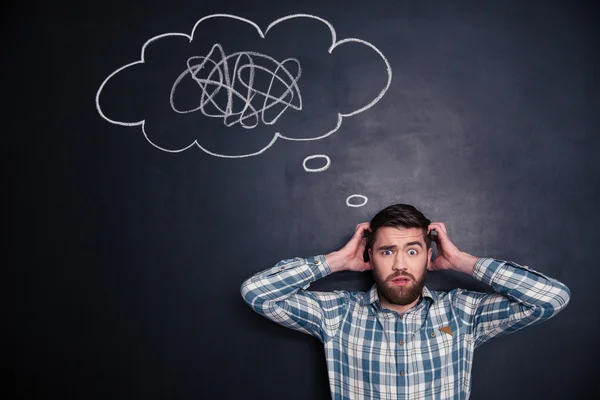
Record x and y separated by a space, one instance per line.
159 154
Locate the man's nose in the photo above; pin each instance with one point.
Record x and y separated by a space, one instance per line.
399 265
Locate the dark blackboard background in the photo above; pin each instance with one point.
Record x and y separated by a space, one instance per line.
128 260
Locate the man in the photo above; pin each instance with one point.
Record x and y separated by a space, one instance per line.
400 340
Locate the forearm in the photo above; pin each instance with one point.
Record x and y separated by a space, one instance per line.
284 279
522 284
336 261
279 294
464 263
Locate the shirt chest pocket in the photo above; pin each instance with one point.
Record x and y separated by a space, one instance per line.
435 341
437 347
435 358
431 359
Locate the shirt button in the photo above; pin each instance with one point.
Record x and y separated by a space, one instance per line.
282 268
316 261
401 342
402 373
432 334
401 316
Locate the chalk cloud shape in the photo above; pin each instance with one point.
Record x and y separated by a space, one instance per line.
276 135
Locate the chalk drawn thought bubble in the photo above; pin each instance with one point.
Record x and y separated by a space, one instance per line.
246 104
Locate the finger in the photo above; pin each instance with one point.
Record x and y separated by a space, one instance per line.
443 226
438 233
358 226
433 226
442 239
360 252
362 245
361 228
439 227
358 235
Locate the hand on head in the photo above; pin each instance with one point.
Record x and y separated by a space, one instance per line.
351 256
447 251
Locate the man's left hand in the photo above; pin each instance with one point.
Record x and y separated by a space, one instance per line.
447 251
449 256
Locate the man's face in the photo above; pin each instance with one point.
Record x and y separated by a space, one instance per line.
400 253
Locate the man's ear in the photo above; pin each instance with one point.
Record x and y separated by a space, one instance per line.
370 258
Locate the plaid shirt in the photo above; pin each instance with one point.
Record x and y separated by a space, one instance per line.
424 353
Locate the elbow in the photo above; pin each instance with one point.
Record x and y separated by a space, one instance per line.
246 292
251 296
558 301
564 297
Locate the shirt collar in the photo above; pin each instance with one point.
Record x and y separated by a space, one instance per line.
372 296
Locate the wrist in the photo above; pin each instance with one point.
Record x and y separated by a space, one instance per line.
337 261
464 262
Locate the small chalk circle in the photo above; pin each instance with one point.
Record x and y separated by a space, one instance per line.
323 168
364 198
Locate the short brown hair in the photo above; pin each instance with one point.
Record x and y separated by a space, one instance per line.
399 216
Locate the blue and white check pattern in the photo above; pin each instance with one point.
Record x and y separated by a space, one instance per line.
377 353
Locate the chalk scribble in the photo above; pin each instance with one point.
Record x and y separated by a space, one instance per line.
235 74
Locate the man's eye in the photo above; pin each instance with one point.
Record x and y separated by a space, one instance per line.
415 252
386 251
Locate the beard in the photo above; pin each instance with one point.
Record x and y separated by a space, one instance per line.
400 295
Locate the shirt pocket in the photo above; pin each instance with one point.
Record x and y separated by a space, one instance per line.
436 358
440 345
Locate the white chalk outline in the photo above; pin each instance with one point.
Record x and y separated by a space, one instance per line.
356 205
323 168
335 43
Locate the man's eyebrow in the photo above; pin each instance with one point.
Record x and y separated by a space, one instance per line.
413 244
393 246
387 247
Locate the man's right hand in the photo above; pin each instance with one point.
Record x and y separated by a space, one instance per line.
350 257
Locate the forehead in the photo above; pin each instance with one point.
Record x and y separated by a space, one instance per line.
390 235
